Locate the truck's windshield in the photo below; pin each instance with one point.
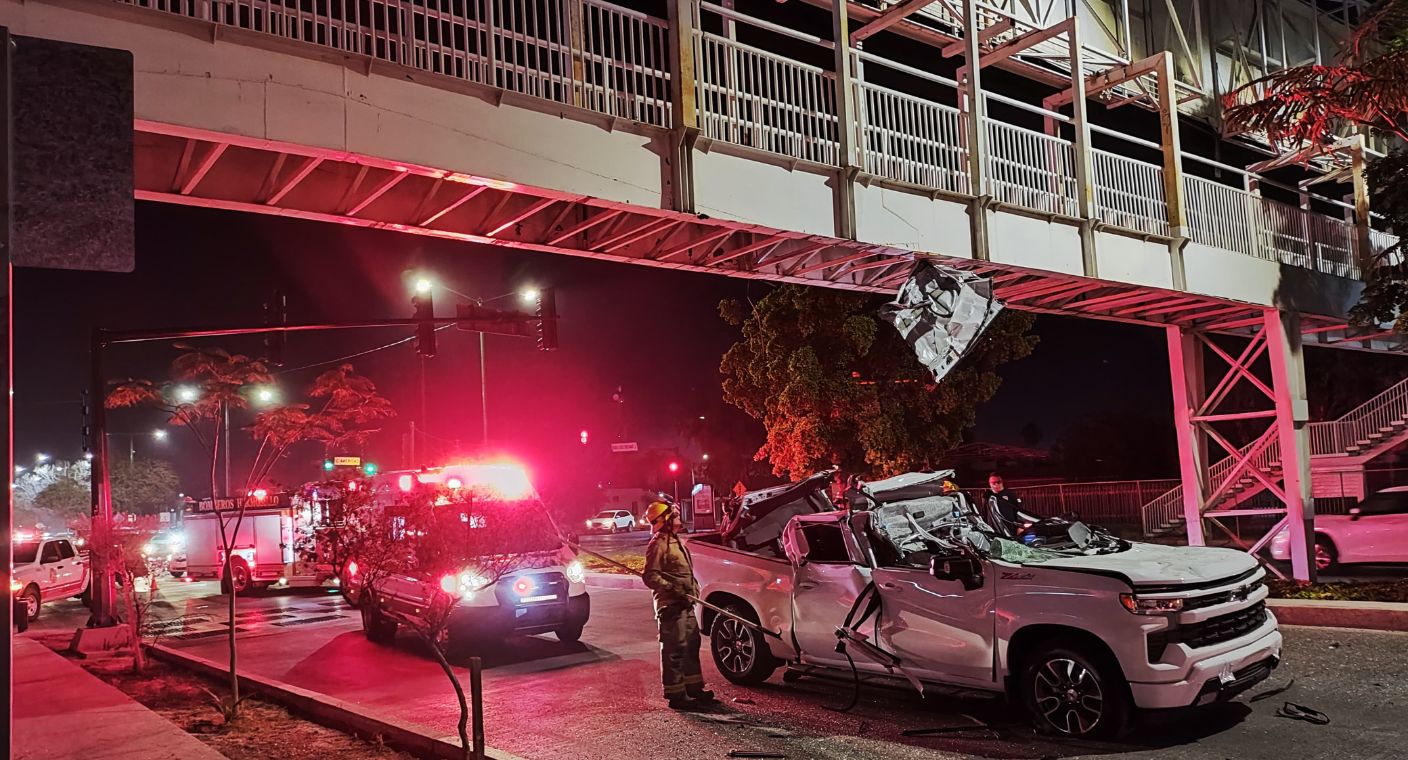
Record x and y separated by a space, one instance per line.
507 528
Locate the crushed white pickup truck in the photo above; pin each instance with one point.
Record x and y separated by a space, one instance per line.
1077 626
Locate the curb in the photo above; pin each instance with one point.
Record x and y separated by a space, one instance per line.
332 712
1376 616
615 581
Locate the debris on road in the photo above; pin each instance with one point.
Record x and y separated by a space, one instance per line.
743 701
1301 712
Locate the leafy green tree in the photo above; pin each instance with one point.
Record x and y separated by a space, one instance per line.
1366 88
834 385
143 486
65 497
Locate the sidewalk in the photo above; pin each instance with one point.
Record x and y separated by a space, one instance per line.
61 712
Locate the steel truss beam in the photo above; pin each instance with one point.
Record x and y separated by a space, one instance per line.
299 181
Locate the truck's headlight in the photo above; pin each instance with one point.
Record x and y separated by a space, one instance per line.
576 572
1145 606
589 523
15 586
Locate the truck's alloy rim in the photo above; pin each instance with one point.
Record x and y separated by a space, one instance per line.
734 646
31 604
1068 696
1322 557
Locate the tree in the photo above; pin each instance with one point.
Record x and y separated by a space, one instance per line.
207 383
143 486
1365 88
66 497
834 385
120 546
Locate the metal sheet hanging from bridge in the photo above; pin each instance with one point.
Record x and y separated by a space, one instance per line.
942 312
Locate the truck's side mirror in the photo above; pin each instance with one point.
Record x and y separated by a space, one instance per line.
965 570
1355 513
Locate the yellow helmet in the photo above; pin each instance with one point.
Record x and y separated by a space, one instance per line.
657 511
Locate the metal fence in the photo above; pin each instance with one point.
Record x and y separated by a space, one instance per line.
1129 193
1221 216
1110 502
751 97
1031 169
1306 239
911 139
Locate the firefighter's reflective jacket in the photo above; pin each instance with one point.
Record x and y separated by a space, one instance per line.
669 571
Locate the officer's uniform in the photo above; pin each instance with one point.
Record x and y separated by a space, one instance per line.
669 573
1005 513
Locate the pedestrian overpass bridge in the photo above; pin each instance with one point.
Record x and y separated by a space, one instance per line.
700 138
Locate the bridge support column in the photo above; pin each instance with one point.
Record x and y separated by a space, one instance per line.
1185 360
1283 338
1085 171
848 160
684 111
1174 203
974 111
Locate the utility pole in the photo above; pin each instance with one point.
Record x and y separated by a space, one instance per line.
483 391
225 413
8 453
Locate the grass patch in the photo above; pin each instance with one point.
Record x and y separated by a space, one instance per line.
1372 591
631 556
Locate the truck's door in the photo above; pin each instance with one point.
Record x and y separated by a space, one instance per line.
825 583
940 630
52 565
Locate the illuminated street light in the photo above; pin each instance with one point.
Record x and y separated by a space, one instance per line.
530 295
186 394
41 458
159 434
423 285
19 469
706 457
88 455
266 395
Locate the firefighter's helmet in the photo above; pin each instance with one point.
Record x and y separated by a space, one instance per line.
657 511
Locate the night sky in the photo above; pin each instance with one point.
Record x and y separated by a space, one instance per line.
655 332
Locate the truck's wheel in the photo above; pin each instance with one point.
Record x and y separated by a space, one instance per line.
378 629
31 600
17 609
740 652
1326 558
177 573
1070 691
570 633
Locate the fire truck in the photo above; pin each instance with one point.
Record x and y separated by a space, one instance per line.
275 544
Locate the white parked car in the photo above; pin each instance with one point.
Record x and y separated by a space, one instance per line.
46 569
611 521
1375 531
1076 626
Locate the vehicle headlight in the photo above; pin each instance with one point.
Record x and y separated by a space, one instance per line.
15 586
589 523
148 550
1146 606
471 583
576 571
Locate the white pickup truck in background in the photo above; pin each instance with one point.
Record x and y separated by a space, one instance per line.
1078 627
46 569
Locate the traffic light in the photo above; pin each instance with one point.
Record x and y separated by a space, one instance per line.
584 438
674 467
87 412
547 319
424 303
328 465
276 313
369 469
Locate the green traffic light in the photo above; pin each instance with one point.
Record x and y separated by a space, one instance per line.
327 465
369 468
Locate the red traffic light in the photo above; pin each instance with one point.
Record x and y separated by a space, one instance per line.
674 467
584 438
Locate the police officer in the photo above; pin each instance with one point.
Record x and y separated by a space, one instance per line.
1005 509
669 573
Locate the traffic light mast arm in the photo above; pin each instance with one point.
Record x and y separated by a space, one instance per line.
498 327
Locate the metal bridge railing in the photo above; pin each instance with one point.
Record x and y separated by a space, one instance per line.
1129 193
1221 216
912 140
616 62
748 96
1031 169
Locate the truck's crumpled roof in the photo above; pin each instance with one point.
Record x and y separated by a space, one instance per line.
765 513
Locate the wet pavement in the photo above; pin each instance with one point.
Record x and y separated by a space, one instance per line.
600 698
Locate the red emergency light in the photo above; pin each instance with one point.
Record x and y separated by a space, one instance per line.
259 494
449 584
406 482
523 586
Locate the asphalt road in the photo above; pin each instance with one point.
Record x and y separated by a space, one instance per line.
600 698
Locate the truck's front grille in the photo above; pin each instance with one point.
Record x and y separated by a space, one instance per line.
1223 627
1222 597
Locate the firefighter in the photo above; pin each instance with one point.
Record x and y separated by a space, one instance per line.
669 573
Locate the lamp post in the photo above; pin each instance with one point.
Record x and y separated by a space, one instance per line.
158 435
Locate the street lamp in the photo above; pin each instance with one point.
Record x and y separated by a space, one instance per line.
41 458
159 434
423 285
266 395
530 295
186 394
